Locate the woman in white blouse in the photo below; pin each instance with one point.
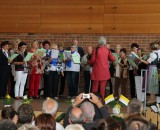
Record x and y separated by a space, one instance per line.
152 84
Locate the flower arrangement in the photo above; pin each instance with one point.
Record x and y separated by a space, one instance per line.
116 103
8 101
26 100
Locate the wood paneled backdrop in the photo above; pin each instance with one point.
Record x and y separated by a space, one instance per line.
80 16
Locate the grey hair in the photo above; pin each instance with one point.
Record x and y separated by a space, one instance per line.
45 107
134 106
88 110
74 127
102 40
28 127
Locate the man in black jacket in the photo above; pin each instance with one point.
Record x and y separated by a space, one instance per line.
4 68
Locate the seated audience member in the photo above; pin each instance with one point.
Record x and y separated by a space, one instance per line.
50 106
74 127
9 113
25 114
88 111
108 124
138 124
76 116
7 125
134 107
28 127
134 110
100 109
45 122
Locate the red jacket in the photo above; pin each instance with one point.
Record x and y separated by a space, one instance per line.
100 70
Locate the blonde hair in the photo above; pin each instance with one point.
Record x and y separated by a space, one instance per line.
53 46
16 42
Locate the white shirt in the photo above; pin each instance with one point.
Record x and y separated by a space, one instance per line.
152 57
59 126
158 51
74 67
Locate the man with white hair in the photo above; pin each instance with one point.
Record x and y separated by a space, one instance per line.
74 127
88 111
50 106
100 61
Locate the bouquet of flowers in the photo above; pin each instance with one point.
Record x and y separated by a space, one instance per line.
26 100
116 103
8 101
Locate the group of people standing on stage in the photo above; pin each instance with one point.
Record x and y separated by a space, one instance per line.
30 73
99 65
143 74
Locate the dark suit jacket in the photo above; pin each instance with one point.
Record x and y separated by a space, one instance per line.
3 61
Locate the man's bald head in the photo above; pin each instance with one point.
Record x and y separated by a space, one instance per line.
50 106
76 116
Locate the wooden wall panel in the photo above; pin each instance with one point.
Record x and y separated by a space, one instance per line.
55 28
87 28
131 18
19 2
83 16
19 18
8 27
132 8
72 28
71 18
131 28
72 2
76 9
20 9
132 1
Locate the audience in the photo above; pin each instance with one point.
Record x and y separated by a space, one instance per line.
74 127
138 124
7 125
25 114
108 124
76 116
28 127
45 122
134 110
77 103
88 111
9 113
50 106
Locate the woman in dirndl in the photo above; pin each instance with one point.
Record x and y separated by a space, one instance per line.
152 84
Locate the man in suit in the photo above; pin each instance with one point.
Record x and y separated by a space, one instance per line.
78 48
4 68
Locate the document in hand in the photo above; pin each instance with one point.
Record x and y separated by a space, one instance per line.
135 54
76 59
116 56
61 56
40 52
54 53
132 62
67 54
28 57
13 56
